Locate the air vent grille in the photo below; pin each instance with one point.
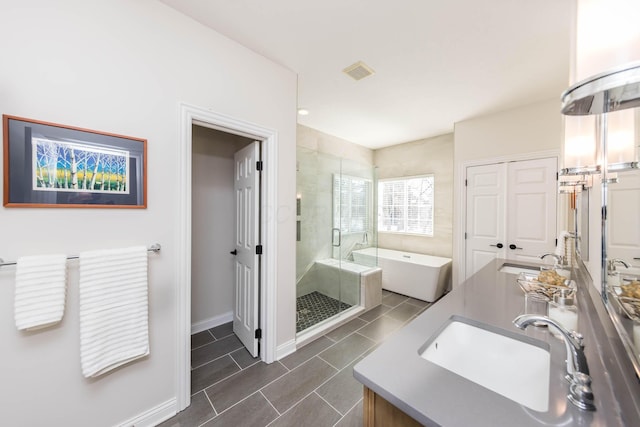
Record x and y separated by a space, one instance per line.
358 71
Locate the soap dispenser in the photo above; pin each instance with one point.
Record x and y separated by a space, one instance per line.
563 310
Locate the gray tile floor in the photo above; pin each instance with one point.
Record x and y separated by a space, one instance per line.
312 387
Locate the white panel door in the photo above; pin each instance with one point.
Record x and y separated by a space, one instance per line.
485 215
246 288
531 208
510 211
623 240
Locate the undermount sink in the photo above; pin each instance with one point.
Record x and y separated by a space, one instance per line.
517 269
512 365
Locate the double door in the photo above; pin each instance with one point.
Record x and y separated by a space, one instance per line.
510 211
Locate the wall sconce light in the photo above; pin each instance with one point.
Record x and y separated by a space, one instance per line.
621 140
580 148
601 124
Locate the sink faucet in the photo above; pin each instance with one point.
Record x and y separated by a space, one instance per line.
559 258
611 267
580 393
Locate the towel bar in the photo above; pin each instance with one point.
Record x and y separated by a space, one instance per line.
153 248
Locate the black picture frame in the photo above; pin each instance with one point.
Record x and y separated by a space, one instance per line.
49 165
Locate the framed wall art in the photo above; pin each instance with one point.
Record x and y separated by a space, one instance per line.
57 166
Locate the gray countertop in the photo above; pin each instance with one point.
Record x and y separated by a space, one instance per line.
435 396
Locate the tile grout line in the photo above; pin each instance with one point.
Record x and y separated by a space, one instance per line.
260 389
350 409
267 385
330 405
235 361
228 376
271 404
217 358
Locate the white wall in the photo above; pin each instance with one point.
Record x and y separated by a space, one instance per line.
123 67
426 156
213 225
508 134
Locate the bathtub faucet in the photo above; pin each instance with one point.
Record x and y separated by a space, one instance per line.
365 238
580 393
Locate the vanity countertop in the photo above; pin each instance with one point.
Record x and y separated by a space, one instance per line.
435 396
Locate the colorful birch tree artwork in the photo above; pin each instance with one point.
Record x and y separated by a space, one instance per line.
77 167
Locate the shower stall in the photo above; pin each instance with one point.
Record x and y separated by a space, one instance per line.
335 216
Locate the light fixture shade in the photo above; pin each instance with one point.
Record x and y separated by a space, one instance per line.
579 153
621 140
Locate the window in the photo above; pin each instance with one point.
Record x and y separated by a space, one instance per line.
350 209
405 205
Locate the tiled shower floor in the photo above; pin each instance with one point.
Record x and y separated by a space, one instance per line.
312 387
315 307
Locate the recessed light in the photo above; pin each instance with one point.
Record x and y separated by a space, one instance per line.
303 112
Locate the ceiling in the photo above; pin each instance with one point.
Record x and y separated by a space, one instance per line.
436 62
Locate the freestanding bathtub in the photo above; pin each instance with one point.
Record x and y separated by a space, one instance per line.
425 277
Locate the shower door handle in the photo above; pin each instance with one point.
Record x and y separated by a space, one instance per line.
333 237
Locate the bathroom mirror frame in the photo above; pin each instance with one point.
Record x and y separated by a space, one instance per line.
614 90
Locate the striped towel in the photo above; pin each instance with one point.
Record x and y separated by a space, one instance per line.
40 291
114 326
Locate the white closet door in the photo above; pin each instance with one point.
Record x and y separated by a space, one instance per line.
510 211
246 289
531 209
485 215
623 225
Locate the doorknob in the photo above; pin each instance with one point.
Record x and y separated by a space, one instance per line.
234 252
499 245
512 246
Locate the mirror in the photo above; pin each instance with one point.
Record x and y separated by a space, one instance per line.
614 97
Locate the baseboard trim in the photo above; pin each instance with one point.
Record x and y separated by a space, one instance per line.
285 349
153 416
211 322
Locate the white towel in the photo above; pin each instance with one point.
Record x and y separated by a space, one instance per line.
114 325
40 291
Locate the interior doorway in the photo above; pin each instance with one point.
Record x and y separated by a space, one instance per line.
225 232
190 116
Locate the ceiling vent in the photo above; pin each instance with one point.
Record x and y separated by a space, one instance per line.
358 71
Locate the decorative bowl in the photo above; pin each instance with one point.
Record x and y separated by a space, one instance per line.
538 284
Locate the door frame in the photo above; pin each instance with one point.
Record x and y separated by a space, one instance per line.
190 115
460 213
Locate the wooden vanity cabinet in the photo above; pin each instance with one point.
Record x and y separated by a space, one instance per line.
378 412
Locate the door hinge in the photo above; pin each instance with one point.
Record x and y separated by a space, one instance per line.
465 182
259 165
258 249
556 176
465 235
258 333
556 242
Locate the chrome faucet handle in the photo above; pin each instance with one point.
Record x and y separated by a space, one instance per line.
580 393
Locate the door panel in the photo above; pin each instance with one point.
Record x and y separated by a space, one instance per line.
531 205
623 225
485 215
246 287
